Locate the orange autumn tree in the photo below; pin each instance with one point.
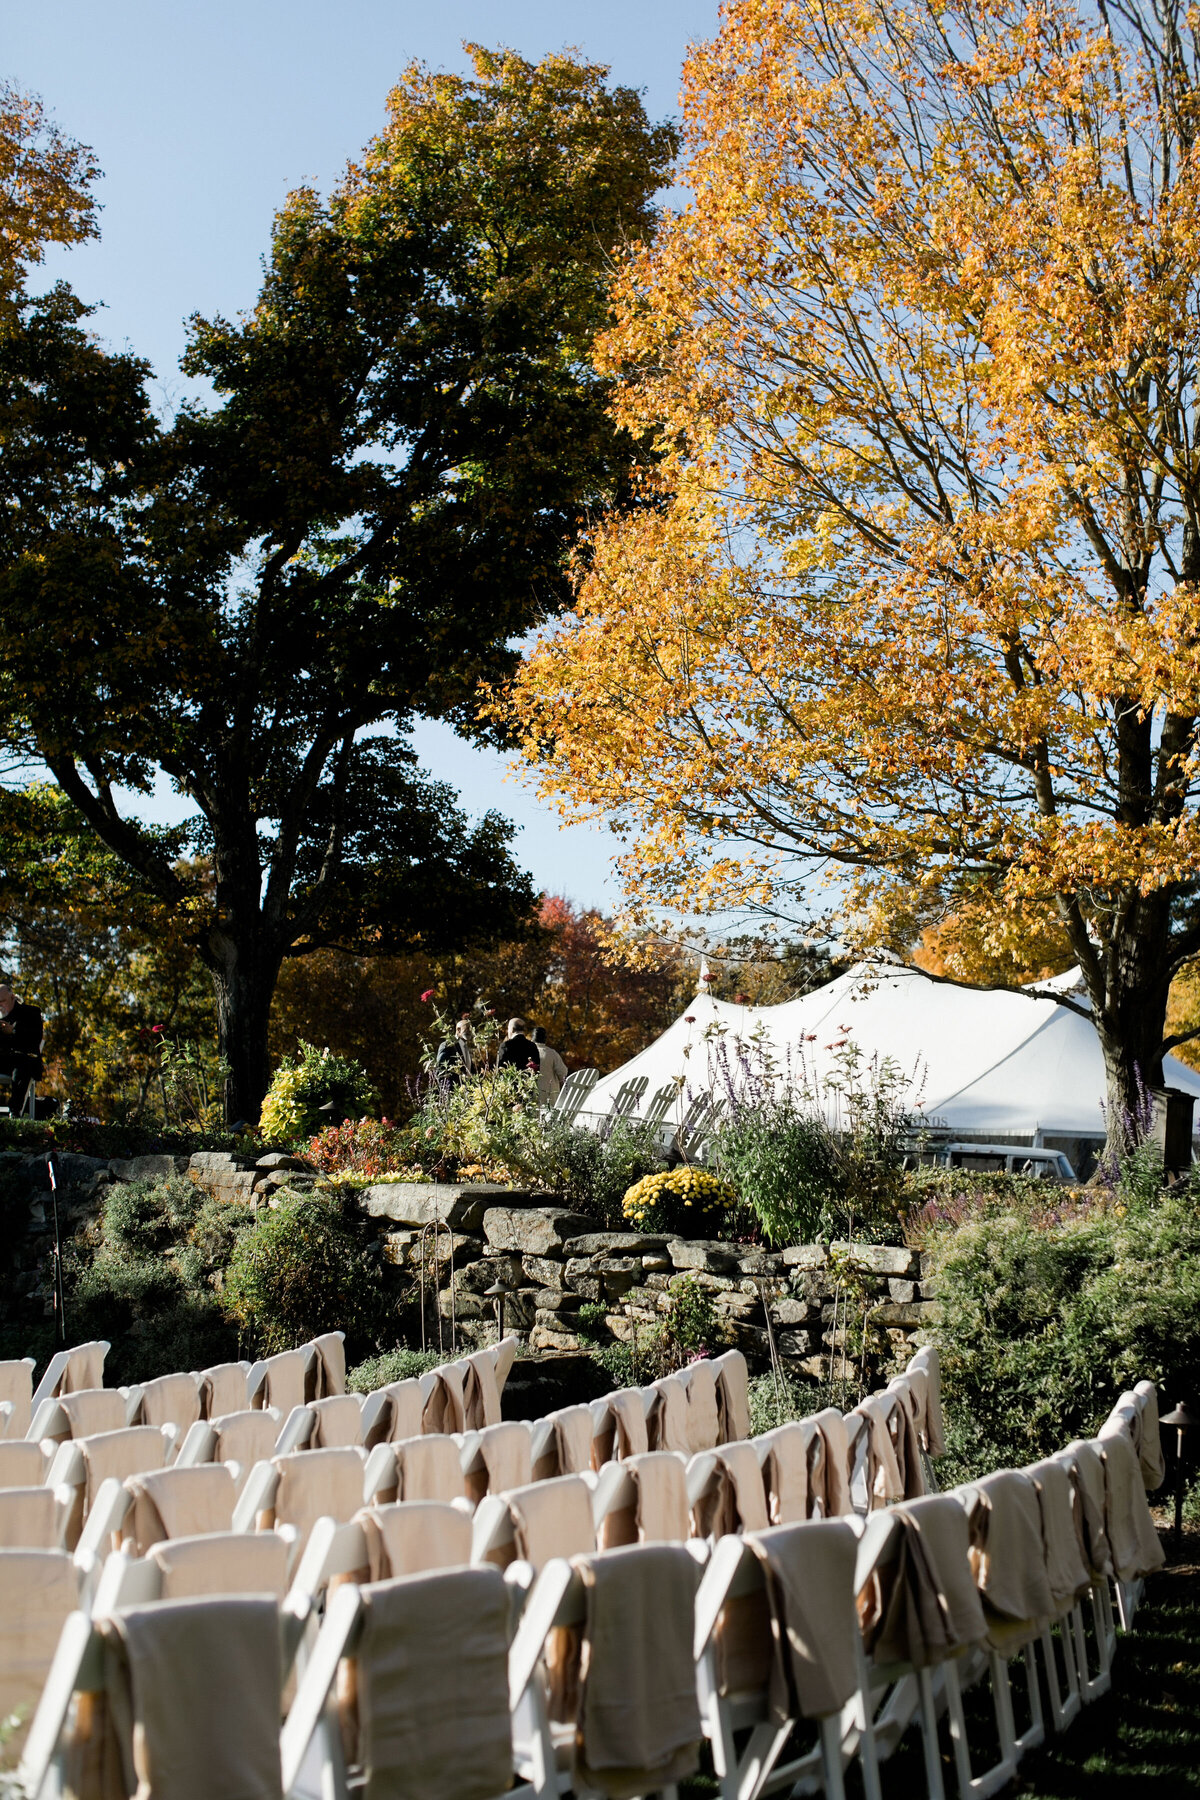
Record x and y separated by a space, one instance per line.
918 611
45 181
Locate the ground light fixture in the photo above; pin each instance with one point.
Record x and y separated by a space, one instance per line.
499 1291
1180 1421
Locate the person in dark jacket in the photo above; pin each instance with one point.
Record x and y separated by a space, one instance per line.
21 1033
517 1051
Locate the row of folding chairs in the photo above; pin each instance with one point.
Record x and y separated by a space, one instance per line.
571 1664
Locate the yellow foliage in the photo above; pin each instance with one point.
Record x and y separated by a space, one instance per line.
915 615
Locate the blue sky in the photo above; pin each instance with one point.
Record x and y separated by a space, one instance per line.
204 115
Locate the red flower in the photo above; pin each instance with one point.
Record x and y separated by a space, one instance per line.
156 1028
707 977
428 994
740 1000
689 1018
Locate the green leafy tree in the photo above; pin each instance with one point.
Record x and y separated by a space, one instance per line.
256 599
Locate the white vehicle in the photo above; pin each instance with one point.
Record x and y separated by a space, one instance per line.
1002 1159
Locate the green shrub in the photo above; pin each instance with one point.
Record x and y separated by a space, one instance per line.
303 1084
1048 1313
784 1165
310 1264
392 1365
153 1318
143 1216
691 1325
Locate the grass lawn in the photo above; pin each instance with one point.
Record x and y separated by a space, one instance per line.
1147 1730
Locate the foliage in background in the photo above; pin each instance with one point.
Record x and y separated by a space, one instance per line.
562 973
808 1158
365 1147
823 653
115 977
1049 1311
392 1365
302 1085
311 1264
145 1278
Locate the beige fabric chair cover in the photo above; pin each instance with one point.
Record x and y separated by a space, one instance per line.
733 1398
905 1435
22 1464
885 1483
31 1518
785 1473
1133 1541
638 1721
1150 1451
245 1438
428 1468
481 1392
1065 1568
552 1518
505 1451
194 1693
427 1710
84 1368
40 1588
93 1410
317 1484
171 1400
704 1422
808 1572
835 1462
16 1390
927 1360
623 1433
569 1451
178 1503
666 1404
222 1390
916 1380
443 1410
1007 1556
734 1498
903 1614
945 1536
400 1415
225 1562
1085 1469
284 1383
414 1537
338 1422
659 1513
327 1370
120 1454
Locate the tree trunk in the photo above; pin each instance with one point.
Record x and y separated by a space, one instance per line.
1131 1019
244 973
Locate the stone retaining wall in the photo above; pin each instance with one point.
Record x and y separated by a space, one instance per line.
560 1265
573 1286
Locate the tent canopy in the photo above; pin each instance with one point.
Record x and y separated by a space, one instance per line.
979 1064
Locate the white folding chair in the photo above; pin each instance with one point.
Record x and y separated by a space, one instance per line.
85 1361
16 1397
309 1724
42 1589
734 1578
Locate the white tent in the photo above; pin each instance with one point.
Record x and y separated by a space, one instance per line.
986 1066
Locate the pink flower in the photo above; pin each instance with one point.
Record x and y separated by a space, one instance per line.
428 994
739 999
156 1028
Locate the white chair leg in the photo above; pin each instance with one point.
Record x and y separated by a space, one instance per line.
971 1786
831 1759
929 1736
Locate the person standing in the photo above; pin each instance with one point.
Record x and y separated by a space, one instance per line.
552 1070
517 1051
21 1033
